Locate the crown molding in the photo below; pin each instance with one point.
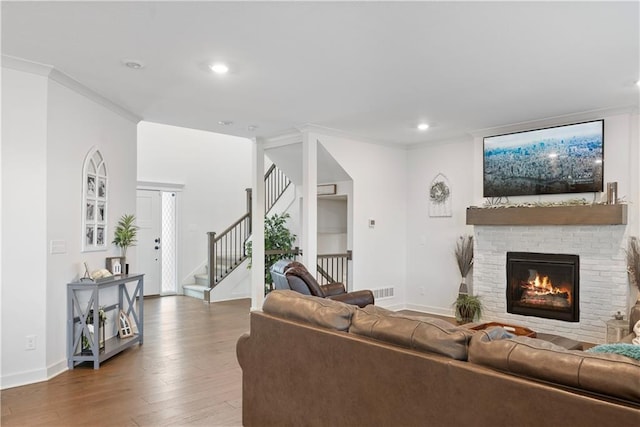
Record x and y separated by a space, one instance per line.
31 67
52 73
160 186
337 133
555 121
288 137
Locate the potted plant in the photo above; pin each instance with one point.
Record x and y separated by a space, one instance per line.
125 233
468 308
277 237
102 320
464 257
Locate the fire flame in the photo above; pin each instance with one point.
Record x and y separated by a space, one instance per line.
542 285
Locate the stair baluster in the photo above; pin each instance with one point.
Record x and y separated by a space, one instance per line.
227 250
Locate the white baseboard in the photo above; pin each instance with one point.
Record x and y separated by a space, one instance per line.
23 378
392 307
34 376
57 368
430 310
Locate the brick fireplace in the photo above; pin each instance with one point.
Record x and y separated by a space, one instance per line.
544 285
603 289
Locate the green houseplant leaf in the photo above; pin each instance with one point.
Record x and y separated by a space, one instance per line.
468 308
125 233
276 236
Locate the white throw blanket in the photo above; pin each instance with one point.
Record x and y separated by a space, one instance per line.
636 330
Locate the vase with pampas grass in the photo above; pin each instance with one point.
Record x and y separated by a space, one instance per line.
633 263
633 269
464 257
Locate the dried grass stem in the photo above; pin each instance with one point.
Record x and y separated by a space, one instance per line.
464 254
633 261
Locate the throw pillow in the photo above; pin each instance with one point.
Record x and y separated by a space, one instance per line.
624 349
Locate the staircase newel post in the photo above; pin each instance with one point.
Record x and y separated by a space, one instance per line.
211 265
249 195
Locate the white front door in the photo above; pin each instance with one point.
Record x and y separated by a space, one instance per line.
149 221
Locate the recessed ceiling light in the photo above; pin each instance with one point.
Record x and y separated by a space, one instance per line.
638 83
423 126
219 68
133 64
225 122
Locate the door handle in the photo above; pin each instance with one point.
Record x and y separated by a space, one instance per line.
157 247
157 240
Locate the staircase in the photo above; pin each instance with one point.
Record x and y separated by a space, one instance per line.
197 289
227 249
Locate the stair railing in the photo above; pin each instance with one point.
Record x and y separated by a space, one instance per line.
330 268
226 250
334 268
275 184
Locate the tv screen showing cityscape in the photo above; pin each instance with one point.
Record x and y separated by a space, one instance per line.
561 159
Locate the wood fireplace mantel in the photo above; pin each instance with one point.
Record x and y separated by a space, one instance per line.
551 215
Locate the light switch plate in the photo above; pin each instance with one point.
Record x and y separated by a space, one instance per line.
58 247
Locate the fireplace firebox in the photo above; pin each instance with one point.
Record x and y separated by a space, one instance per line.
543 285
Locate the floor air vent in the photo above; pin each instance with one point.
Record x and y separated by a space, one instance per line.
382 293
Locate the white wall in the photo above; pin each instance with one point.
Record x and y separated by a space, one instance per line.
332 225
433 277
380 193
47 131
24 240
215 170
75 124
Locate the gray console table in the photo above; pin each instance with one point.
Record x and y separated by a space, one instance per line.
77 317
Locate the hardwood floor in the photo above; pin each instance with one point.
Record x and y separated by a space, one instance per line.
185 373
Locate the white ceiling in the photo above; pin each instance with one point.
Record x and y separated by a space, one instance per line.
369 69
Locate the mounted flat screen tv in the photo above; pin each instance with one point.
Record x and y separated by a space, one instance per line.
555 160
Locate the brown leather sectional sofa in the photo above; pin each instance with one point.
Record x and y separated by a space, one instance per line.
311 361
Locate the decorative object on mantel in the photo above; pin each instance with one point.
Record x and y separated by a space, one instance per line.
124 236
440 197
464 258
497 203
612 193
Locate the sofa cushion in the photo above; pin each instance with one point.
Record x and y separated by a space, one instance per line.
315 311
302 273
609 374
298 285
420 333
